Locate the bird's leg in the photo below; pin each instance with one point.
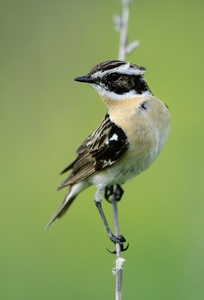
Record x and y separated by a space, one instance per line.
115 239
117 193
109 191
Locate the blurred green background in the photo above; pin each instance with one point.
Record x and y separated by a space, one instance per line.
45 115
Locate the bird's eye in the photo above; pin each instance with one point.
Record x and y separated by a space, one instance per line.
114 76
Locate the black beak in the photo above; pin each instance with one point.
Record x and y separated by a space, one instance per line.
86 79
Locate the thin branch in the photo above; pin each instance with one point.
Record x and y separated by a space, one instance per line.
121 25
118 270
124 28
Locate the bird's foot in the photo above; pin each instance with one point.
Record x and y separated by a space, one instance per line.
110 191
119 239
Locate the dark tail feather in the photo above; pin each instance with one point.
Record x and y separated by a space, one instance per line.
62 210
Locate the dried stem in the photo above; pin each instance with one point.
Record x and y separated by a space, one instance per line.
123 30
121 25
118 271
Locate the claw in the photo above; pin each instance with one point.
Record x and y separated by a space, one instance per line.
111 251
122 249
118 240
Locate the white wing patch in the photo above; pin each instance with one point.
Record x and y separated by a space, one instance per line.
114 137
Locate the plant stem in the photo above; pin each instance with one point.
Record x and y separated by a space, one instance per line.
119 261
122 27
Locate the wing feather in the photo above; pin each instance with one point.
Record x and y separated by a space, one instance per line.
101 149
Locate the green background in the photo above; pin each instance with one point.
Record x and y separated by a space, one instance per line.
45 115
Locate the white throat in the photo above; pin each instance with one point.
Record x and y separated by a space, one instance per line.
119 97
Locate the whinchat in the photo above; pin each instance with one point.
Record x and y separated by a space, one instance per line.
127 141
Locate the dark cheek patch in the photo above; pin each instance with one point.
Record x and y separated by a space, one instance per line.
125 84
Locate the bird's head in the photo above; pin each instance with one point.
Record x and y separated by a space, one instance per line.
117 80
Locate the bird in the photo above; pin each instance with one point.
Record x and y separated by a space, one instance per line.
127 141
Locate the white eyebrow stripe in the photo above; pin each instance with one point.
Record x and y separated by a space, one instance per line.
124 69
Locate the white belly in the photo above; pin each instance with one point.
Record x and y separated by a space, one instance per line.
129 166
